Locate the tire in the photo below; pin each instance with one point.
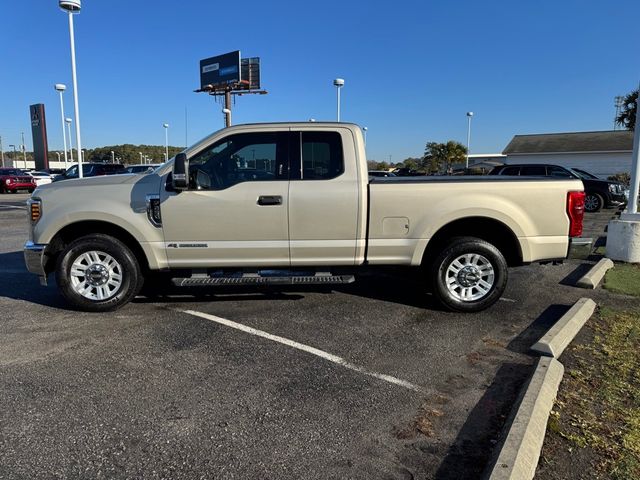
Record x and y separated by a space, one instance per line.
115 273
30 190
455 280
593 202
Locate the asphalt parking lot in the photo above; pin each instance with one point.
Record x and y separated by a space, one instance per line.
367 381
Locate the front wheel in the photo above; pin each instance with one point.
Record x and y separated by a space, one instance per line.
98 273
469 275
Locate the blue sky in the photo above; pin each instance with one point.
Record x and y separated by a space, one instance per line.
412 68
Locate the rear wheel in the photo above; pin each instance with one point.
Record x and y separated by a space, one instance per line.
469 275
98 273
593 202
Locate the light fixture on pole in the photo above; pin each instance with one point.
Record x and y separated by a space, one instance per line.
227 117
61 87
166 141
73 7
364 129
469 115
68 121
338 83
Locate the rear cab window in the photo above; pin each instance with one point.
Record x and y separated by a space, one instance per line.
316 155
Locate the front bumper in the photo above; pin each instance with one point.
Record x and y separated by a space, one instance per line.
580 248
13 187
34 258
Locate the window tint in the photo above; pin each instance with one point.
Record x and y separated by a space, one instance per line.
245 157
511 171
535 170
322 157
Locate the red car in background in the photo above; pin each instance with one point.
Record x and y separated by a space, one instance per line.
14 179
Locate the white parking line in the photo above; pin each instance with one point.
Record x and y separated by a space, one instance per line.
305 348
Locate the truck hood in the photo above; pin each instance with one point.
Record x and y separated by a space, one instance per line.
92 181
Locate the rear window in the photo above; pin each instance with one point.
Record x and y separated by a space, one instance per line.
322 157
510 171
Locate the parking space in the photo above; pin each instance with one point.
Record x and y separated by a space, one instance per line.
370 380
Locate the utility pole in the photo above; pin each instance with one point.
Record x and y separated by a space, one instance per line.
24 152
1 152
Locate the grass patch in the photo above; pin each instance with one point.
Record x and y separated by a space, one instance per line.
598 405
623 278
601 250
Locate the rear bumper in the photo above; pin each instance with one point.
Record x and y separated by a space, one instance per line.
580 248
34 258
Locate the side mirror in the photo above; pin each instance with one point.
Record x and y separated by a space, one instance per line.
180 177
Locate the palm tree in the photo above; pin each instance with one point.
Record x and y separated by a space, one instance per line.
627 116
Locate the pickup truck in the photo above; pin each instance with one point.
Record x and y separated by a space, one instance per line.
292 203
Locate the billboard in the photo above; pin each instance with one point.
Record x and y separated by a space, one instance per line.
220 70
250 73
39 135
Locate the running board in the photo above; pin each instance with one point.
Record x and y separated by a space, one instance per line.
256 280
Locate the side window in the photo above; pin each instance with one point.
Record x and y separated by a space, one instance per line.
534 170
322 157
511 171
245 157
559 172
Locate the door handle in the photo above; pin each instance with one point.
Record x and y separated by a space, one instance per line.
269 200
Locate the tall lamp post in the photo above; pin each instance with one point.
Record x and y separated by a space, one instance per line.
73 7
469 115
166 141
338 83
61 87
68 122
364 129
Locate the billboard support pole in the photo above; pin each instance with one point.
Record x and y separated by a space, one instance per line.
227 107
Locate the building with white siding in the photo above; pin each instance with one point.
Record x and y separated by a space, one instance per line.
601 153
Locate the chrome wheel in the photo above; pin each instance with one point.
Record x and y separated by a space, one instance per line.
469 277
96 275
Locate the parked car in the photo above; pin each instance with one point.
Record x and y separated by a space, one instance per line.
14 179
91 170
598 193
381 173
141 168
311 217
407 172
41 178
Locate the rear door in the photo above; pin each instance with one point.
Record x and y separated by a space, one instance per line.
323 198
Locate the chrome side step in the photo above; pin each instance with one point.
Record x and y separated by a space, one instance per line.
204 281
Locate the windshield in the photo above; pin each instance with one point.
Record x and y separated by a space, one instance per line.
583 174
12 171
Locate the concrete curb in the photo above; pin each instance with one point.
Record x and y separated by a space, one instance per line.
553 343
593 277
519 455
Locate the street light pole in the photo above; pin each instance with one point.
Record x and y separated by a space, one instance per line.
1 152
140 156
73 7
60 87
166 141
68 120
24 152
364 129
469 115
58 153
338 83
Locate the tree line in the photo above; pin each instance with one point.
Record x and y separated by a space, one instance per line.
437 158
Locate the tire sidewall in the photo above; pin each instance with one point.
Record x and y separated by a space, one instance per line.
131 273
461 247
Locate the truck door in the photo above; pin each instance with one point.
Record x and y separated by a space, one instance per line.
235 210
323 198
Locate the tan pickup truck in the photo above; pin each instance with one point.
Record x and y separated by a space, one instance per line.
292 203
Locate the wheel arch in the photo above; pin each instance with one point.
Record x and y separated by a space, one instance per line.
485 228
79 229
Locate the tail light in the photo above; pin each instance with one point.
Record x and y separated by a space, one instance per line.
575 210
